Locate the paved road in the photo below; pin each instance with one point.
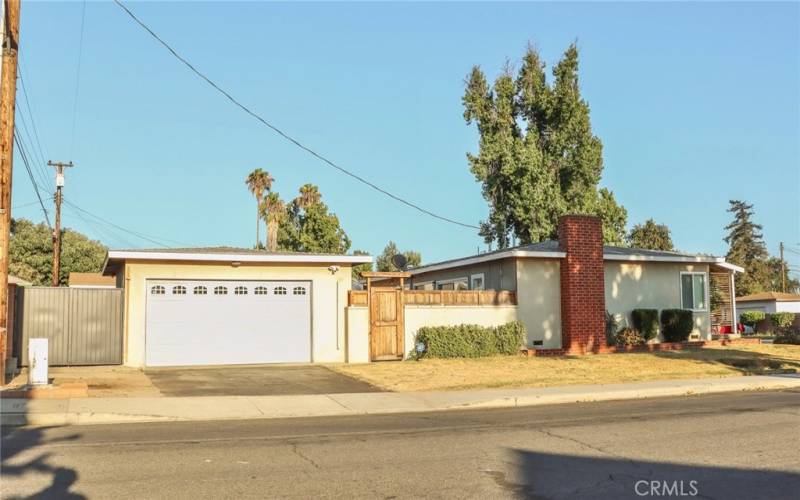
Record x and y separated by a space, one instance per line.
742 445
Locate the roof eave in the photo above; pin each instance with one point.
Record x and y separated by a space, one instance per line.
116 255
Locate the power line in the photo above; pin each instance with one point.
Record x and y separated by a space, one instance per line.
28 204
150 238
26 94
24 157
102 233
281 132
36 160
77 82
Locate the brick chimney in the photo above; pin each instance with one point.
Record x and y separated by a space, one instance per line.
582 284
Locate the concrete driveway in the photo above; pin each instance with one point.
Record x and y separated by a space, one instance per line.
253 381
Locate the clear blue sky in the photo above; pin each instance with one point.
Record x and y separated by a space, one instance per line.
695 104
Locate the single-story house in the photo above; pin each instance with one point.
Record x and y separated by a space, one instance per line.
206 306
564 287
91 280
769 302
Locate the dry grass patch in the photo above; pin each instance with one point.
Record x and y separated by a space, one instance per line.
519 371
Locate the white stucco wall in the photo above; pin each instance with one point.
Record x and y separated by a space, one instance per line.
763 306
652 285
328 299
418 316
539 300
357 328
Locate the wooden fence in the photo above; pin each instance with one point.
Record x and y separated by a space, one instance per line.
445 298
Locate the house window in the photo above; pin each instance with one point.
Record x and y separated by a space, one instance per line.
200 290
260 290
158 290
299 290
240 290
425 285
454 284
179 290
693 291
280 290
476 282
220 290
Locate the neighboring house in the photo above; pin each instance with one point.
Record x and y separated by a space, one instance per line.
209 306
564 287
769 302
91 280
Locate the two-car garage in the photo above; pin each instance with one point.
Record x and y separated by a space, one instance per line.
225 306
205 322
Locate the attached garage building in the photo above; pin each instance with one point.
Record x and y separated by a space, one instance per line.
186 307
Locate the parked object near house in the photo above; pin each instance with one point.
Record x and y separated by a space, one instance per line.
212 306
564 287
91 280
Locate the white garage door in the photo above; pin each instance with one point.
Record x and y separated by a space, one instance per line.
227 322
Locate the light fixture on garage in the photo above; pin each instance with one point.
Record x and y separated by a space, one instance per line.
236 263
333 269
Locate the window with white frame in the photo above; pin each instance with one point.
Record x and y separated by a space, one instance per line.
425 285
476 282
693 291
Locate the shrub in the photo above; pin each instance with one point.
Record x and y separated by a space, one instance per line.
612 325
471 341
676 324
646 321
629 336
788 336
751 318
782 320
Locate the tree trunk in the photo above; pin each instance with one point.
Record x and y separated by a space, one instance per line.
272 236
258 224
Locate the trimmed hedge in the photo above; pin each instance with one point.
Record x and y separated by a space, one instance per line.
782 319
676 324
646 322
629 336
751 318
788 336
471 341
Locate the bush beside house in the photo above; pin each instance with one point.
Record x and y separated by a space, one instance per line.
646 322
752 318
782 320
470 341
629 336
676 324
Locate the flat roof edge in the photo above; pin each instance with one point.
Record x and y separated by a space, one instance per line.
237 257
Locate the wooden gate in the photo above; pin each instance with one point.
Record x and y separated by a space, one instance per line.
386 323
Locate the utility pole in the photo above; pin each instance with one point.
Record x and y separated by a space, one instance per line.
8 92
783 270
59 166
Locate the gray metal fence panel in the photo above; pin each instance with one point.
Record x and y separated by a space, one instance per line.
83 325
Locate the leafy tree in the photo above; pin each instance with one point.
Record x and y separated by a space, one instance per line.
538 157
31 253
778 271
258 182
308 226
360 268
384 260
651 236
747 249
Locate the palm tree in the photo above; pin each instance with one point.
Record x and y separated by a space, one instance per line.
273 210
258 181
309 195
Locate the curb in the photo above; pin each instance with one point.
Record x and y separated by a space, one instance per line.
270 407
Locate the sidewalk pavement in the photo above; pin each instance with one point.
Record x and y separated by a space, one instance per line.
166 409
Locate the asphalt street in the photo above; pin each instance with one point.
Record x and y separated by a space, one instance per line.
738 445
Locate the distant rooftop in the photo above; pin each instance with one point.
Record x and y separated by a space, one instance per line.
769 297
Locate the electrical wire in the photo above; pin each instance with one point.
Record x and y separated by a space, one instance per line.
158 240
26 94
37 160
77 81
103 234
283 134
24 157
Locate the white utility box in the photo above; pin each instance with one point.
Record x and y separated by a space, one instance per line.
37 361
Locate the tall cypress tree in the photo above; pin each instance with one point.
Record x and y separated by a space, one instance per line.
538 157
747 249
